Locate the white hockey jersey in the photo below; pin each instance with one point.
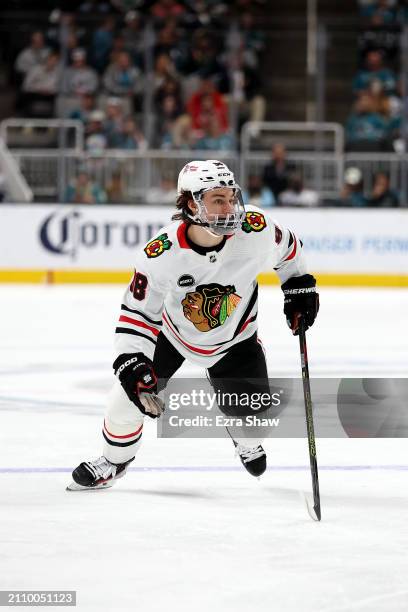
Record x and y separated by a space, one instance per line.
203 303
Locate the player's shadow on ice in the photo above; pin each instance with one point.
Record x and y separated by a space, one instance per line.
275 492
169 493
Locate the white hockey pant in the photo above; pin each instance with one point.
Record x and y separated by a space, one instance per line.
122 428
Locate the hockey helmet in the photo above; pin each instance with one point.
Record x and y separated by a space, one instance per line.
198 177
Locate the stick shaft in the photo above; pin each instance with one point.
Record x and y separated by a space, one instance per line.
309 418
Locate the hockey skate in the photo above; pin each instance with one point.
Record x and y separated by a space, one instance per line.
97 474
253 459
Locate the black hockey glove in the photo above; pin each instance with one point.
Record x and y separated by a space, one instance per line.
137 377
301 300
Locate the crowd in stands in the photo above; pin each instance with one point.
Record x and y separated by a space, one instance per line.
137 74
382 13
376 118
281 184
184 75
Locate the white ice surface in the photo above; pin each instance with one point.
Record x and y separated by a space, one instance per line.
191 539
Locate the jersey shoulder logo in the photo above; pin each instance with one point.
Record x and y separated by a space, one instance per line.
209 306
157 246
253 222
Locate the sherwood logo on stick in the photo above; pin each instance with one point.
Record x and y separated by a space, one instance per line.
66 232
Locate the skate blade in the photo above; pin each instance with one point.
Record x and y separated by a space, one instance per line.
73 486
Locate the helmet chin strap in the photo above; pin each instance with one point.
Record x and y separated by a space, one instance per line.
213 232
208 228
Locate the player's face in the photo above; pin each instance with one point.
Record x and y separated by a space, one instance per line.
220 201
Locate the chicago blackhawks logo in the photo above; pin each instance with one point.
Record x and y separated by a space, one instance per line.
156 247
254 222
209 306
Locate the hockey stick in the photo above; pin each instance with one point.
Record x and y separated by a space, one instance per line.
315 513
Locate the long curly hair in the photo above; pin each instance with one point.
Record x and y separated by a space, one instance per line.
183 207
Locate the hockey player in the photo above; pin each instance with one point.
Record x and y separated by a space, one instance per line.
194 296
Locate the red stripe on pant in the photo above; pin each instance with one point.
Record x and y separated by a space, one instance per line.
135 433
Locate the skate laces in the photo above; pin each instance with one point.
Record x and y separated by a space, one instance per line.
249 453
102 468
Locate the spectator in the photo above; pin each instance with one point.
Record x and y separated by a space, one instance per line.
183 138
169 87
366 129
163 70
96 141
72 32
133 38
167 115
352 193
166 193
257 194
203 61
114 118
130 138
72 43
198 13
168 42
206 102
115 190
276 173
246 90
32 56
375 71
41 86
117 48
252 40
84 110
83 191
121 78
102 44
163 10
381 13
382 195
79 78
297 195
215 138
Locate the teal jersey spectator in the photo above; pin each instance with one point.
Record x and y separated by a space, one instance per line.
88 193
367 126
364 78
385 15
127 142
101 47
224 142
356 199
389 199
79 115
